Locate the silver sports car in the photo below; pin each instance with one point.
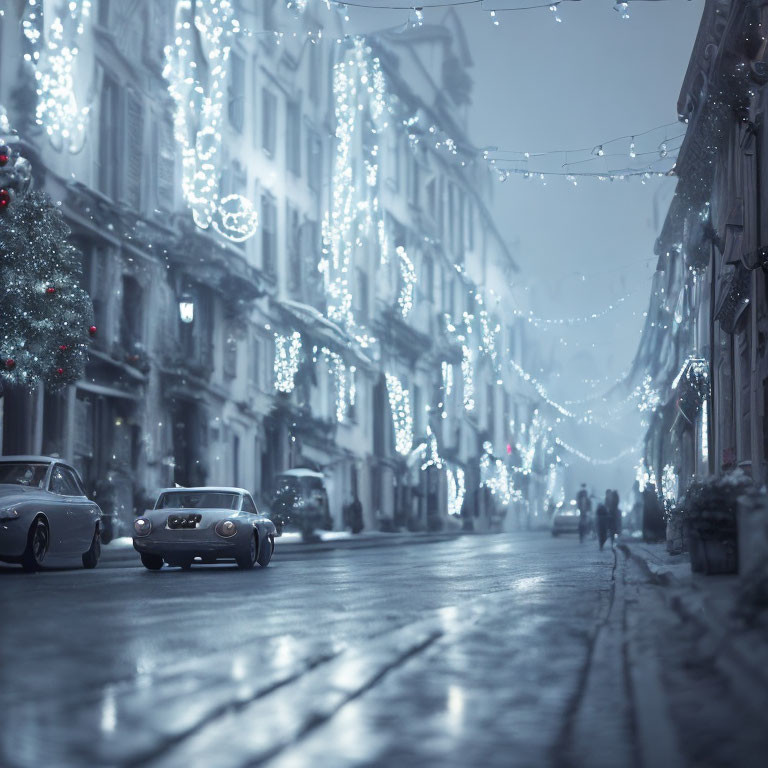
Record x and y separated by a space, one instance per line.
45 517
204 525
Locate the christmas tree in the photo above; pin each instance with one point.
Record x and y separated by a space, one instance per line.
46 318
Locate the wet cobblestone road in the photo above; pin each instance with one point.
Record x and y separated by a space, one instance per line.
505 650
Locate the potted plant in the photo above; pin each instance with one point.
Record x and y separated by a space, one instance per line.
709 512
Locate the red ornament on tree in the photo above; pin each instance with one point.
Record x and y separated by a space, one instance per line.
63 347
5 199
60 371
50 289
10 363
92 330
5 155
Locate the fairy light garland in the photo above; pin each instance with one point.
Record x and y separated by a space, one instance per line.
495 476
402 417
456 490
447 374
342 377
432 457
360 93
287 351
591 459
669 485
467 374
53 55
198 91
408 282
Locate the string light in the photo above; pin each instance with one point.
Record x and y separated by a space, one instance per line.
286 365
359 89
402 418
408 281
649 398
197 89
447 372
669 485
342 379
53 56
467 374
495 476
545 323
591 459
456 491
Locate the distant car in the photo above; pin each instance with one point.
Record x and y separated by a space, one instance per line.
209 524
301 501
566 519
45 517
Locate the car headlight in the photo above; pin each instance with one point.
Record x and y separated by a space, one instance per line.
226 528
142 526
8 514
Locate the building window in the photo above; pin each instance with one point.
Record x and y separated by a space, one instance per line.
314 161
428 278
269 235
109 138
315 73
293 137
268 121
236 92
361 293
293 241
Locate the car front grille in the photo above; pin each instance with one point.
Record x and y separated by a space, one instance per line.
176 522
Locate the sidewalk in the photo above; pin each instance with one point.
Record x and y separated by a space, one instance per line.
741 653
121 551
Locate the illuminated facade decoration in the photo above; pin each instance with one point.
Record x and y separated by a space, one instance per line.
360 94
407 282
669 485
343 379
287 353
54 50
402 416
456 490
197 67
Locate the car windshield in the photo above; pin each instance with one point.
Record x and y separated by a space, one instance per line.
23 473
198 500
302 484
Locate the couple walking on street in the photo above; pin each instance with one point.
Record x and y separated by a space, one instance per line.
608 518
608 515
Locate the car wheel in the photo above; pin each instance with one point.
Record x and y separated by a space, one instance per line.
91 557
152 562
266 551
248 558
37 546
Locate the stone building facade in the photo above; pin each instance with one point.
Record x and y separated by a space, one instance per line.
704 339
227 360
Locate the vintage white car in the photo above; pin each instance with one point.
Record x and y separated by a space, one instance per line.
204 525
45 517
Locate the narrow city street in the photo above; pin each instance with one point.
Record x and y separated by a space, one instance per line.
510 650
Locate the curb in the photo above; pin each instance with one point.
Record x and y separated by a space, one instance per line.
129 553
732 659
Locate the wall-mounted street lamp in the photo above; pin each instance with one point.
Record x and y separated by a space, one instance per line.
186 308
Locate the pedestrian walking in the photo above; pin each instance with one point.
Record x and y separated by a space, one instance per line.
584 505
603 520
